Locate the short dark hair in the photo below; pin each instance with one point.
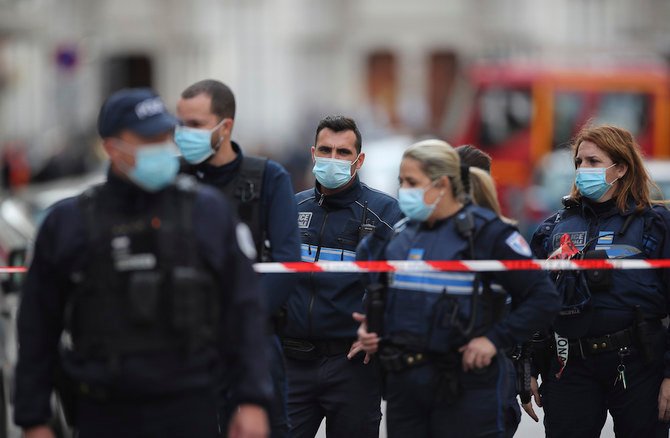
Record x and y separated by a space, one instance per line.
223 100
339 124
472 156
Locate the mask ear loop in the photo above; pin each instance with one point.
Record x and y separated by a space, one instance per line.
218 143
353 163
439 198
615 179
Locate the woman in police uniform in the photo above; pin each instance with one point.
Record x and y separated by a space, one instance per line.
610 339
443 346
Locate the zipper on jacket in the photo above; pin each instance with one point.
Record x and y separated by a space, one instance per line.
312 298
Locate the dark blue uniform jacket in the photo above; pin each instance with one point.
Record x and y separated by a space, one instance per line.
329 226
420 305
624 235
279 218
61 250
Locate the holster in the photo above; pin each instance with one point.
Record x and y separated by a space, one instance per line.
541 352
644 336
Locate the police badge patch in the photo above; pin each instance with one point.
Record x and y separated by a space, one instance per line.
518 244
304 218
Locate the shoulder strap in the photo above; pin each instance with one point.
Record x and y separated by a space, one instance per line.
87 203
181 204
245 193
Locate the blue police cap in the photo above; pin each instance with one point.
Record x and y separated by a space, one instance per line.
139 110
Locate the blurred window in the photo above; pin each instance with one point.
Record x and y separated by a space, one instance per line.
568 108
383 83
127 71
574 109
441 76
504 112
626 110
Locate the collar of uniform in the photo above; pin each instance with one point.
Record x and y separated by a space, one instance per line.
342 198
439 222
220 175
126 192
606 209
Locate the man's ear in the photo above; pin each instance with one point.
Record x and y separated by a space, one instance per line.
108 146
361 159
226 128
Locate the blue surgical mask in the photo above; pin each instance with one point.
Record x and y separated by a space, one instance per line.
412 204
156 166
332 173
592 182
196 144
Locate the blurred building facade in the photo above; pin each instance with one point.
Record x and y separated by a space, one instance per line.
396 66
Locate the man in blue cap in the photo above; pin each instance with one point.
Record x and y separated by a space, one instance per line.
136 290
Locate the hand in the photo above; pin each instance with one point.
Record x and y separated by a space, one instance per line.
528 407
39 432
356 348
250 421
369 342
477 353
664 401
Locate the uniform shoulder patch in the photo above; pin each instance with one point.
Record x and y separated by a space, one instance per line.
245 241
304 219
518 244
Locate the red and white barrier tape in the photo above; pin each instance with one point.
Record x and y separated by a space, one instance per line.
442 265
12 269
460 265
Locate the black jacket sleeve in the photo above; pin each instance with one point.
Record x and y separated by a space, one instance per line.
281 223
244 317
535 301
40 320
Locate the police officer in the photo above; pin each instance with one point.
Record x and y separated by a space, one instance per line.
320 333
144 281
261 191
610 346
444 334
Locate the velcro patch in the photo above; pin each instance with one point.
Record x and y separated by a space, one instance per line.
518 244
578 238
304 219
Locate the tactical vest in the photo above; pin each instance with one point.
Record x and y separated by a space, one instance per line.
616 236
145 287
244 192
429 311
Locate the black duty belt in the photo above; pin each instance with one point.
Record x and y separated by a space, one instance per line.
303 349
602 344
392 359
